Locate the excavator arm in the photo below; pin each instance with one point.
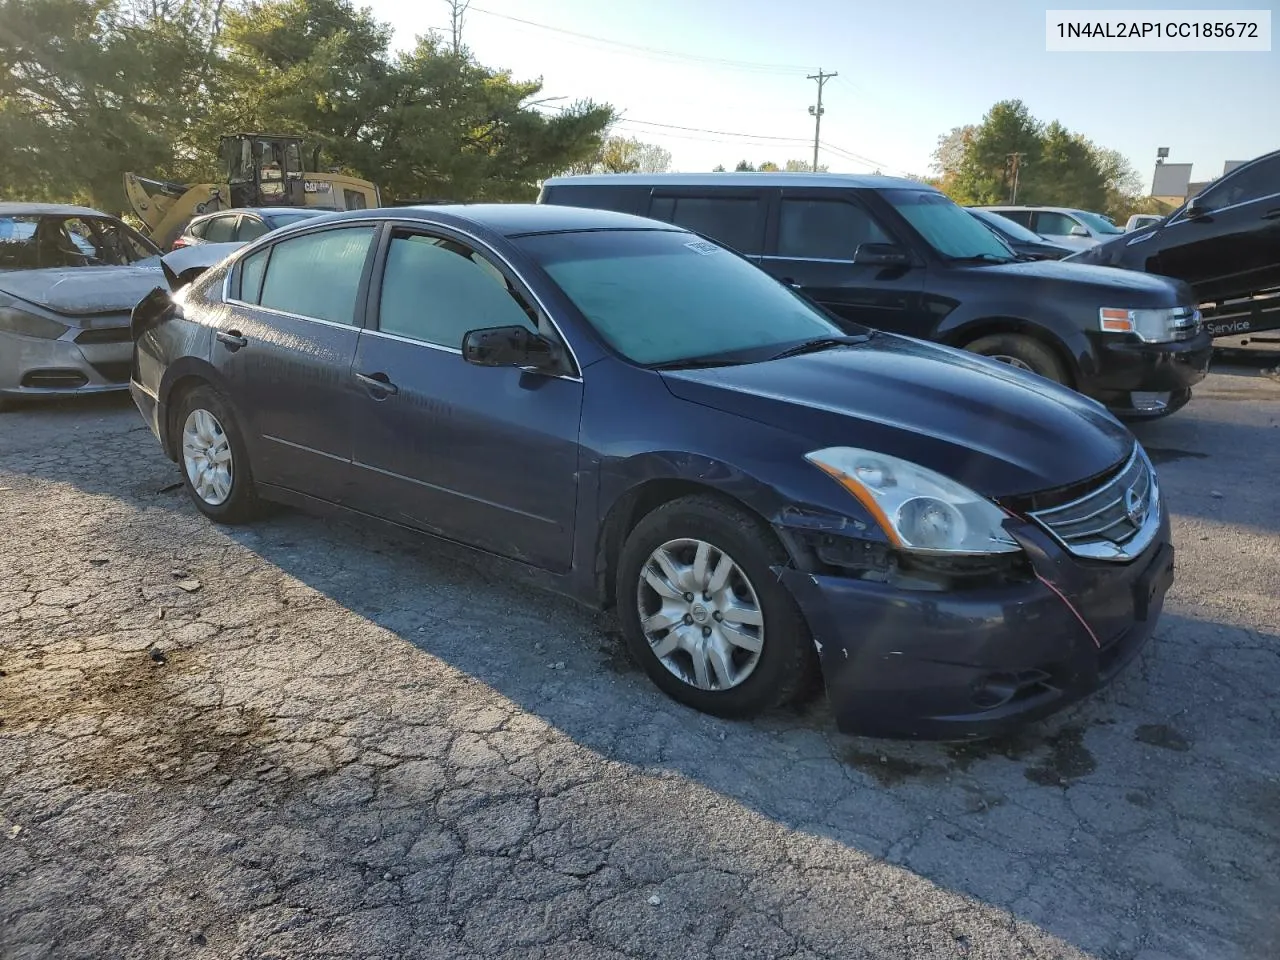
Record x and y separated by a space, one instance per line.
165 208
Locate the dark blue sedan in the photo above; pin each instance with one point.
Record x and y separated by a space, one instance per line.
638 417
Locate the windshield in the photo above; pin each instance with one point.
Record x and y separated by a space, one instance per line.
1009 228
946 227
1098 224
35 242
659 297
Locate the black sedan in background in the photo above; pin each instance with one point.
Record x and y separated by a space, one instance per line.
633 415
1023 242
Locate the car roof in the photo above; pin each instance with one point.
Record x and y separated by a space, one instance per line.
1031 206
14 208
261 211
736 179
507 219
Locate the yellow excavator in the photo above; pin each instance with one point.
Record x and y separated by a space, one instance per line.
257 170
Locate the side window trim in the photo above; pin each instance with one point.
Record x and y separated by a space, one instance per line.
358 314
546 323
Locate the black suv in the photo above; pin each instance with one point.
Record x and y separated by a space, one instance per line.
1224 241
899 255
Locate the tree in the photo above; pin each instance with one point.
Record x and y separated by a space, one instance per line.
744 167
625 155
802 166
457 13
974 162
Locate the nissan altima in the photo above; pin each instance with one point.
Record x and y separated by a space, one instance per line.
637 417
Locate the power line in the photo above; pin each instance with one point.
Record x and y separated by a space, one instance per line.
720 133
655 52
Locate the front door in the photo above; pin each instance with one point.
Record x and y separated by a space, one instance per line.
483 455
818 236
286 345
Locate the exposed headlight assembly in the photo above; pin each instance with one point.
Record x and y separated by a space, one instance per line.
1152 326
918 509
26 324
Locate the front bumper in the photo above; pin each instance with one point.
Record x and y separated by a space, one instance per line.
33 367
977 663
1127 366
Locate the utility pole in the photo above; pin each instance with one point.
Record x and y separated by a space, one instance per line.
1012 163
816 112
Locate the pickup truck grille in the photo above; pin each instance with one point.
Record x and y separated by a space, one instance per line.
1115 521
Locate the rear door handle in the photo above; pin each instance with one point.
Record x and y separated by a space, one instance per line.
378 383
232 339
1273 214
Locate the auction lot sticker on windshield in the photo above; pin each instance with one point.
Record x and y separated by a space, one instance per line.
1157 31
702 247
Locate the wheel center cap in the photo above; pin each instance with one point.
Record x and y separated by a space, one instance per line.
699 613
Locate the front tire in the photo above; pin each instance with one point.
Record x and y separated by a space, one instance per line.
703 613
1023 352
213 458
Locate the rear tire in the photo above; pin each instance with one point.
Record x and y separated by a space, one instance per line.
214 461
1019 350
722 559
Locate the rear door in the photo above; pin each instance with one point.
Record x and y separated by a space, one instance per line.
250 228
486 456
1057 227
817 235
286 346
1234 249
221 229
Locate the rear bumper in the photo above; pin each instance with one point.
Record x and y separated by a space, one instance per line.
978 663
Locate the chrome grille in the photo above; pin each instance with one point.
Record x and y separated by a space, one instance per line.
1116 521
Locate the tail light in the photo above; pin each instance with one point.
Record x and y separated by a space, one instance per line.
179 243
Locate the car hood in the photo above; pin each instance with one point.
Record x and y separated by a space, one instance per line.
1102 285
998 430
201 256
84 291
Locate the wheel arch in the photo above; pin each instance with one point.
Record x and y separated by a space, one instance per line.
180 379
987 326
636 503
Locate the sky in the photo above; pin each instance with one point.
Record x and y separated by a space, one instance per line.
718 81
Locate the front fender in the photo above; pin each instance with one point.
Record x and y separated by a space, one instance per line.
1051 323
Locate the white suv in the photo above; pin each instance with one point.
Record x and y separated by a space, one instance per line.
1077 229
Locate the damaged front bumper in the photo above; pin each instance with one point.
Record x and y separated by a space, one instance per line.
977 661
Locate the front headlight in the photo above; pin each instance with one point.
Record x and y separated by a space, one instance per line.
918 509
1152 326
26 324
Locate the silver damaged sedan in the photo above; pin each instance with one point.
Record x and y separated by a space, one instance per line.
69 279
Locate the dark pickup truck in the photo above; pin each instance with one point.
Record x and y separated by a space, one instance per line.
1224 242
898 255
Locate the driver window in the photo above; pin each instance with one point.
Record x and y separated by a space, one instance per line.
1250 183
825 229
435 290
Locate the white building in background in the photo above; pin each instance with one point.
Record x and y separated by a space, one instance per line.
1172 183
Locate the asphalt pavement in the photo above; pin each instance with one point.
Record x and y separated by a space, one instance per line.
310 739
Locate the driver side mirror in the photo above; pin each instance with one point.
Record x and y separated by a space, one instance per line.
1079 231
510 347
1196 209
881 255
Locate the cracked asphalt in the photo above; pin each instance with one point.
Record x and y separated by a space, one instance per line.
309 739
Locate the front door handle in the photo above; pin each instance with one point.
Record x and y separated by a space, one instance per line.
1273 214
233 340
378 383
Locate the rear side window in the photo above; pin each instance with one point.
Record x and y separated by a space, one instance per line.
220 229
250 228
733 221
435 290
1250 183
620 199
198 228
251 271
825 229
1057 224
1017 216
316 275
